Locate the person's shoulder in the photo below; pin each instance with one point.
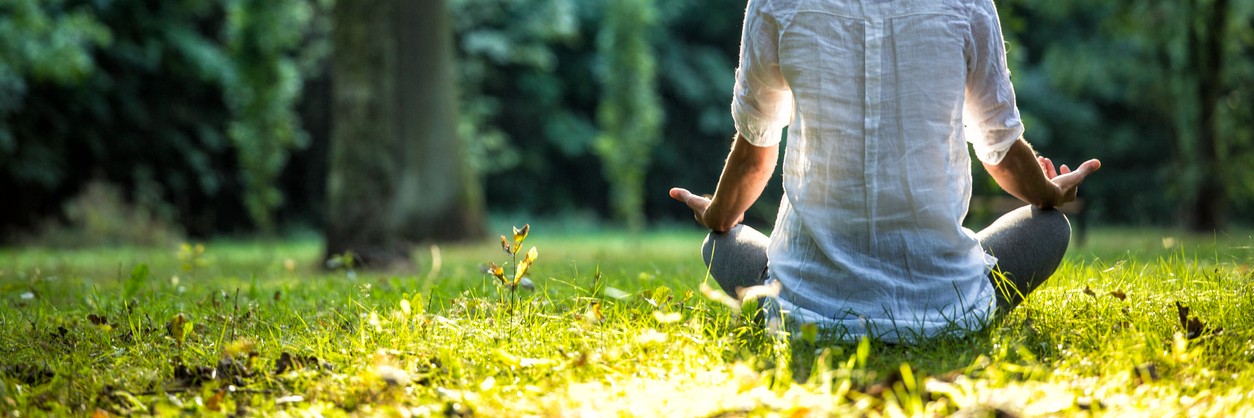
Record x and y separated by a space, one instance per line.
942 7
777 9
772 5
962 6
981 6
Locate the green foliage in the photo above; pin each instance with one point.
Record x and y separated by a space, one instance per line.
532 84
529 97
47 40
41 41
630 113
189 104
1125 81
500 42
263 89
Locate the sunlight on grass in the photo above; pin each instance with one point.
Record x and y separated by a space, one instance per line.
615 326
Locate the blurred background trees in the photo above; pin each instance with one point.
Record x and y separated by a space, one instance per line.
1160 89
629 113
217 116
187 106
397 172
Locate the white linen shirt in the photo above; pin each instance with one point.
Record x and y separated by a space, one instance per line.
877 177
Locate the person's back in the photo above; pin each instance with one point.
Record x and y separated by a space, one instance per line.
877 174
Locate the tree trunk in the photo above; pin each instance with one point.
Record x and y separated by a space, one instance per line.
397 174
440 187
1204 207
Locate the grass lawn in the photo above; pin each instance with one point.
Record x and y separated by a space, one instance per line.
615 326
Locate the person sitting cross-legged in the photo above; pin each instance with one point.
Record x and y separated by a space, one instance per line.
880 100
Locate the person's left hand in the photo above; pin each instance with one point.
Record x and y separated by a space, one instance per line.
1066 179
700 205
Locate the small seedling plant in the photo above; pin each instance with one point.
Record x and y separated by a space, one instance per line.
517 277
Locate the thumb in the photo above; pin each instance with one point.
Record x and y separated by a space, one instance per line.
694 202
1077 176
1090 166
680 194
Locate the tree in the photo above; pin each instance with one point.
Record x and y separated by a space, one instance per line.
534 76
397 174
1201 87
630 113
1152 87
1190 44
262 91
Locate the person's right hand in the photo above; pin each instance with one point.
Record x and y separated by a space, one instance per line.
1067 180
700 206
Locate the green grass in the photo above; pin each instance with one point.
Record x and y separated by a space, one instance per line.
258 328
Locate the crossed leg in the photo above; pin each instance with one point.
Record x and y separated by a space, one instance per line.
1028 242
736 258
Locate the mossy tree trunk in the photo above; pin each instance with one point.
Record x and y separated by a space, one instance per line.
397 173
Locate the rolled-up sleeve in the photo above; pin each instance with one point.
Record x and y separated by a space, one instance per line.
990 114
762 103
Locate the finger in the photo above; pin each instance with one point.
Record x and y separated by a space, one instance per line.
1090 166
1077 176
695 202
698 204
1064 169
1074 178
1050 171
679 194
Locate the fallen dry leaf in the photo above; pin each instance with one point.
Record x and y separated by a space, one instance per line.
1193 326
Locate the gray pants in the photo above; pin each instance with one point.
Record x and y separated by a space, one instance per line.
1028 242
